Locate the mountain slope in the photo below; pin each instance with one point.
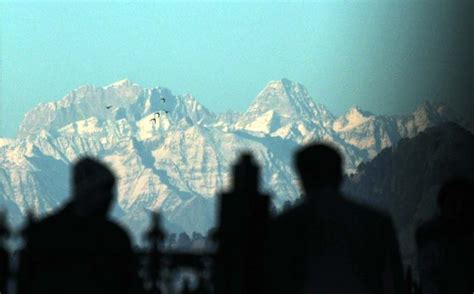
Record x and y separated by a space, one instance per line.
177 162
406 178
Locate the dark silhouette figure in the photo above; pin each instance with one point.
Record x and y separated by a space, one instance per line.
328 244
77 249
243 220
446 243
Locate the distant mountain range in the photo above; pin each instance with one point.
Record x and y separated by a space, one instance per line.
179 161
405 180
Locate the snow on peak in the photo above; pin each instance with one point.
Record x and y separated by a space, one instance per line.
354 117
266 123
284 87
166 161
6 141
434 109
121 83
88 126
426 107
425 115
430 113
359 112
288 99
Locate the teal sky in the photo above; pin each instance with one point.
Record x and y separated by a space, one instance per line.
385 56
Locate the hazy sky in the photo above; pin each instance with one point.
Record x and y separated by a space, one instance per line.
386 56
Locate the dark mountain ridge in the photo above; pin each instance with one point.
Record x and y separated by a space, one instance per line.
405 179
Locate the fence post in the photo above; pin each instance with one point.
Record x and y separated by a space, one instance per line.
154 236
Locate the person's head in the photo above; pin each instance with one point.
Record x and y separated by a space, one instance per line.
456 201
319 166
93 187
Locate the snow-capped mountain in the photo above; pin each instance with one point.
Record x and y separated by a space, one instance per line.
176 162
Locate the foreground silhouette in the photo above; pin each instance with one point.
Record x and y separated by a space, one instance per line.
77 249
329 244
446 243
243 218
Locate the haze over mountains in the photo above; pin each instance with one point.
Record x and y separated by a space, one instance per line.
405 180
178 164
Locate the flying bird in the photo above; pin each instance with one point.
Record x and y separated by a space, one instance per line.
166 111
157 114
109 106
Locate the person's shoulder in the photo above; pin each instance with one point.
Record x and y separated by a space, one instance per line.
115 230
285 230
57 218
368 213
294 214
291 221
44 232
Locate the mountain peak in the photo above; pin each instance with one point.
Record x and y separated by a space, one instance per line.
356 110
289 102
354 117
426 105
286 98
432 107
121 83
284 85
6 141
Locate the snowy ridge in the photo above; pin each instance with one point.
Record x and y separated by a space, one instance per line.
177 162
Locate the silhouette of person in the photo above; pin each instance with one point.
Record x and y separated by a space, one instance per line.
328 244
445 243
77 249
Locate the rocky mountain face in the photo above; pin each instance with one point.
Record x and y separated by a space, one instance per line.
177 162
405 179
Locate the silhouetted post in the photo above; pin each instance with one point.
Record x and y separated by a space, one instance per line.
243 219
409 281
186 287
4 256
411 285
201 287
24 274
154 237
